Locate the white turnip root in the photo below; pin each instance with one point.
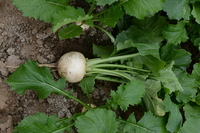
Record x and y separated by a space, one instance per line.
72 66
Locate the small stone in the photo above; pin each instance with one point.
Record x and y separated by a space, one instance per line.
3 99
10 51
39 41
34 31
6 124
49 31
50 100
4 71
51 57
13 61
41 59
61 114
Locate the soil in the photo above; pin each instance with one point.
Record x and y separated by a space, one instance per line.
23 38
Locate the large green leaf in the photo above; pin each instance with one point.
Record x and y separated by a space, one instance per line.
69 15
97 121
110 17
177 9
153 25
40 123
147 124
196 11
102 51
192 115
150 62
40 9
181 57
70 31
145 35
30 76
175 117
189 84
145 31
175 34
127 94
169 79
142 8
196 72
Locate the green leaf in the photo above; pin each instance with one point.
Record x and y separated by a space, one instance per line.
128 94
148 49
87 84
145 35
40 123
110 17
191 125
154 25
197 42
196 11
30 76
40 9
102 51
150 62
192 115
69 15
175 117
143 8
104 2
189 84
175 34
196 72
197 99
70 31
147 124
97 121
177 9
169 79
151 99
181 57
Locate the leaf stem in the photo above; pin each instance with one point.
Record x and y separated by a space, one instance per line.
56 3
92 7
64 128
119 66
108 33
106 78
109 72
135 125
95 61
74 98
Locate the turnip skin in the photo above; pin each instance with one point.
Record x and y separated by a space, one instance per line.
72 66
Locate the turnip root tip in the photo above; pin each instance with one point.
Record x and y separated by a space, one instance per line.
72 66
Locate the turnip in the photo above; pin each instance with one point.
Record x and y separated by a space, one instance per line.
74 67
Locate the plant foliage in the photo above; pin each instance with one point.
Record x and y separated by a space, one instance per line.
147 58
